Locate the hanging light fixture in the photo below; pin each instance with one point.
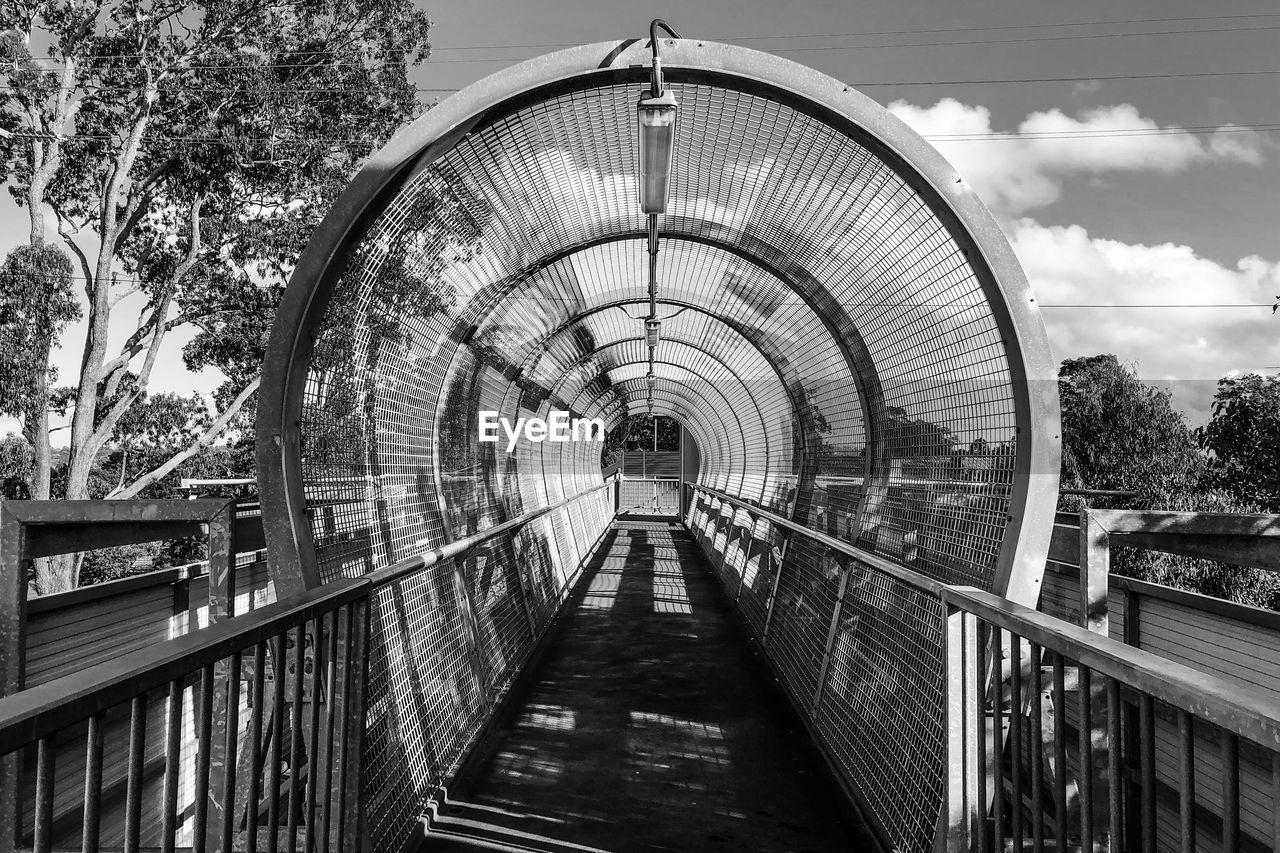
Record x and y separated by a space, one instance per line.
652 332
656 114
651 379
657 118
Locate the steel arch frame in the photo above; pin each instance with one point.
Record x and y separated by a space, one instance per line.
1023 549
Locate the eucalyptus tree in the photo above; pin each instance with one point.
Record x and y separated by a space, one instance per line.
182 152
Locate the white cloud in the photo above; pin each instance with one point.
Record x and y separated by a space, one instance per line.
1019 173
1185 349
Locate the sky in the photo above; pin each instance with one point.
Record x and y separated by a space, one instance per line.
1176 205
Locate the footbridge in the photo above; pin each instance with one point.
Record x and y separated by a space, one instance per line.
844 635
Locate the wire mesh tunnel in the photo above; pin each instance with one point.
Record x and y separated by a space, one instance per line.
846 336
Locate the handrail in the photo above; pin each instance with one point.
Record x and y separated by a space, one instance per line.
1239 708
39 711
911 578
42 710
421 560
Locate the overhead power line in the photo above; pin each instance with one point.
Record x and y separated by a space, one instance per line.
963 137
400 59
302 90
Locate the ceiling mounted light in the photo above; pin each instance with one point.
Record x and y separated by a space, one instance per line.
657 119
651 379
652 332
656 114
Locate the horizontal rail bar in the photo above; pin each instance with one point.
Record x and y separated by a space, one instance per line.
1120 521
1238 708
39 711
421 560
880 564
27 716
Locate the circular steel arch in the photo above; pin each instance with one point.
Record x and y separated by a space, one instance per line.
1025 543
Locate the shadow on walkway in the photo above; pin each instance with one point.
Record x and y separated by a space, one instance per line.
649 725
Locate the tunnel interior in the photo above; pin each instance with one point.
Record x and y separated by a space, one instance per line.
845 335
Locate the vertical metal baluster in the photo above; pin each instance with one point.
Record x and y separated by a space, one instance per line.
1059 753
997 737
45 755
313 738
272 771
348 678
983 691
1187 790
353 763
1230 791
1037 752
331 680
204 742
172 767
1275 801
1015 740
133 792
1115 790
230 743
1084 694
92 783
254 794
1147 741
295 737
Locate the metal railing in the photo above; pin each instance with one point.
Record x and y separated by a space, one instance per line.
245 735
1018 760
651 496
314 649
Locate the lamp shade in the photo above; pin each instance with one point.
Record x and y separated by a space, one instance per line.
657 120
652 332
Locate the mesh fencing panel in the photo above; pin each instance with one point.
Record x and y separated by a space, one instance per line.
826 341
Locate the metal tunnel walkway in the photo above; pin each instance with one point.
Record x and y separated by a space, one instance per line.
647 719
845 335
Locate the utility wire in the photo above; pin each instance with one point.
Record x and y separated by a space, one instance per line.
287 142
777 36
93 60
285 90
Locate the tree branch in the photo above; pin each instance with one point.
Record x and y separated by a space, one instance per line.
206 438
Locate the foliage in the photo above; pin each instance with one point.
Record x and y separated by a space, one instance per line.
186 149
1120 434
36 303
1243 439
915 437
16 460
637 433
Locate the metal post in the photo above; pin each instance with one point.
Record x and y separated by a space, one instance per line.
353 756
831 639
958 821
1095 563
13 607
1095 566
222 581
773 592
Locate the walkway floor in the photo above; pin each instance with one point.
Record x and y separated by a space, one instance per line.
649 725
